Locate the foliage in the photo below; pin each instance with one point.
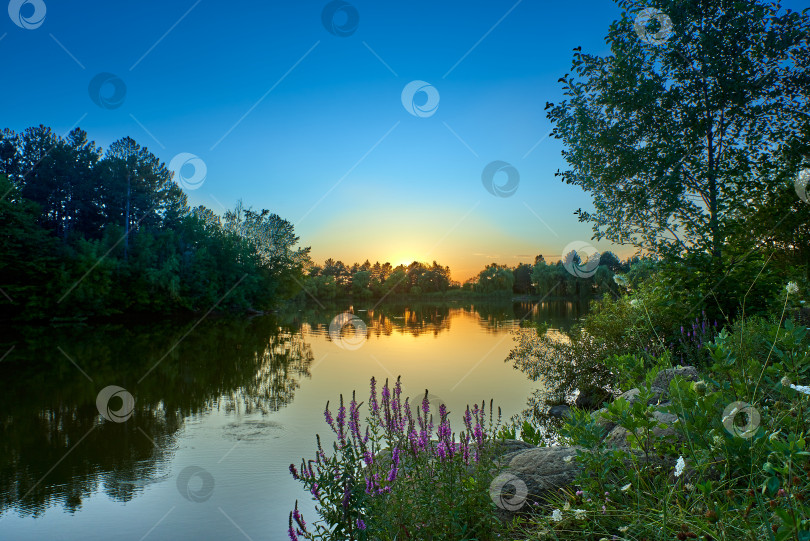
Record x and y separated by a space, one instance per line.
736 466
423 279
677 140
391 481
91 233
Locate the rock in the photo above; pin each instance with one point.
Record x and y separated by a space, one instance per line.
543 471
663 377
507 449
592 398
618 436
633 394
560 411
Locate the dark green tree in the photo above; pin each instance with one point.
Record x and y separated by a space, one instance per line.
675 130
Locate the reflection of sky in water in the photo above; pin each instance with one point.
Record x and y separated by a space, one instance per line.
244 435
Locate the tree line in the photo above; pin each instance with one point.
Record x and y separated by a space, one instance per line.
335 279
91 232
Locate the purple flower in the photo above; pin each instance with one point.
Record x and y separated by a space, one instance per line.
299 518
354 419
341 419
347 494
375 408
294 472
386 405
392 474
328 415
291 531
360 524
468 420
396 407
408 415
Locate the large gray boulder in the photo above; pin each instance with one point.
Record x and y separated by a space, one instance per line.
620 438
560 411
663 377
530 476
632 396
507 449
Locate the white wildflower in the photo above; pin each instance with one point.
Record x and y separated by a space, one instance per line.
792 288
634 302
623 529
580 514
556 515
785 381
801 388
679 466
626 487
567 506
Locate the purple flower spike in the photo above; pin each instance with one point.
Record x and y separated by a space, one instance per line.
347 494
354 419
396 407
386 404
291 530
341 420
375 408
360 524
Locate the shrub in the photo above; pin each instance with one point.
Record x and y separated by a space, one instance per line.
392 481
737 466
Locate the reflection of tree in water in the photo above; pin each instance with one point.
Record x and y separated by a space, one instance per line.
420 318
55 449
274 383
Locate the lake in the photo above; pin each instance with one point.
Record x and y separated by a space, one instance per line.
195 438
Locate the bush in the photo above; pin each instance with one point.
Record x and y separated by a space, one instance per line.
736 466
391 481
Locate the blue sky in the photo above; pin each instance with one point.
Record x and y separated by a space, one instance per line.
290 117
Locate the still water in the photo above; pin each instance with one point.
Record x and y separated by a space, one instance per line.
219 410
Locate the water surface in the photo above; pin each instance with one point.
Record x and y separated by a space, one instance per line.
221 408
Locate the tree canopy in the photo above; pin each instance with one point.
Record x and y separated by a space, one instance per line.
87 232
695 124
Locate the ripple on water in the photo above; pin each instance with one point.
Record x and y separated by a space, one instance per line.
253 430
